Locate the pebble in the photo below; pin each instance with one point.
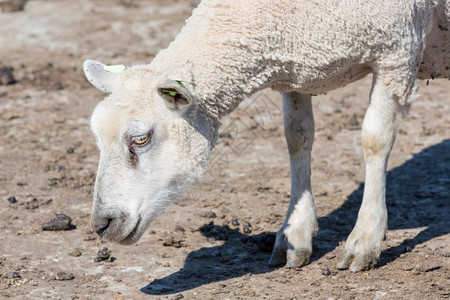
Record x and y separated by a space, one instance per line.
59 223
178 297
166 265
170 241
326 271
33 204
6 76
12 199
75 252
315 283
70 150
179 229
12 5
16 275
209 214
102 254
330 256
61 276
235 221
247 228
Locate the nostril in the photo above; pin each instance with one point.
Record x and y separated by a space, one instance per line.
102 226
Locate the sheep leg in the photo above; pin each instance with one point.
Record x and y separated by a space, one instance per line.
293 245
379 129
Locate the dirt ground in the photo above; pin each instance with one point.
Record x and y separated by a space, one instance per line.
201 248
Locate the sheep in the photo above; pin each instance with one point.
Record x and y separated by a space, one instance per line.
158 125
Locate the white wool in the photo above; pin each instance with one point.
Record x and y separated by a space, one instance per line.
227 51
230 50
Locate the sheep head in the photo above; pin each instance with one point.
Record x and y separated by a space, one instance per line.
153 144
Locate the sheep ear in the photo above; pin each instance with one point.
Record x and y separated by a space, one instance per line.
99 76
175 94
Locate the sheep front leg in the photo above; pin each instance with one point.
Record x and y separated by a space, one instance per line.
293 245
363 246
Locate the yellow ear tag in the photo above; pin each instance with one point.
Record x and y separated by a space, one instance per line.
116 69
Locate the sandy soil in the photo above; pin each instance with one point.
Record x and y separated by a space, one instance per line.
201 248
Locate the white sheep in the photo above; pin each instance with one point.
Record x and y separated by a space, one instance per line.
155 132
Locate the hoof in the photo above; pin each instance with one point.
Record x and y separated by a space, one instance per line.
278 257
297 258
357 263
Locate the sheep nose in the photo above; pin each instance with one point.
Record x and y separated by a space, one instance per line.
100 225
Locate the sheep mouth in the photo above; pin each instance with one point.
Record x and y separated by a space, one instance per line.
134 235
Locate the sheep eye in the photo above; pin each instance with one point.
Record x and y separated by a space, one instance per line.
140 140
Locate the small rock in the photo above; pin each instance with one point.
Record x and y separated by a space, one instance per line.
6 74
330 256
209 214
70 150
89 237
179 229
166 265
64 276
178 297
59 223
12 5
33 204
247 228
75 252
170 241
326 271
235 221
408 249
16 275
102 254
12 199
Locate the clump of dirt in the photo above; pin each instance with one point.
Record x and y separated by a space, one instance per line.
59 223
103 254
171 241
12 5
75 252
63 275
12 199
6 75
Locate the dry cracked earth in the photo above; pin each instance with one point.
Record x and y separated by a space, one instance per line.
215 243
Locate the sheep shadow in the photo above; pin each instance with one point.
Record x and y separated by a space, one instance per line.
417 196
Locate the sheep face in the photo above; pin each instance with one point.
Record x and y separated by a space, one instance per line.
150 152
